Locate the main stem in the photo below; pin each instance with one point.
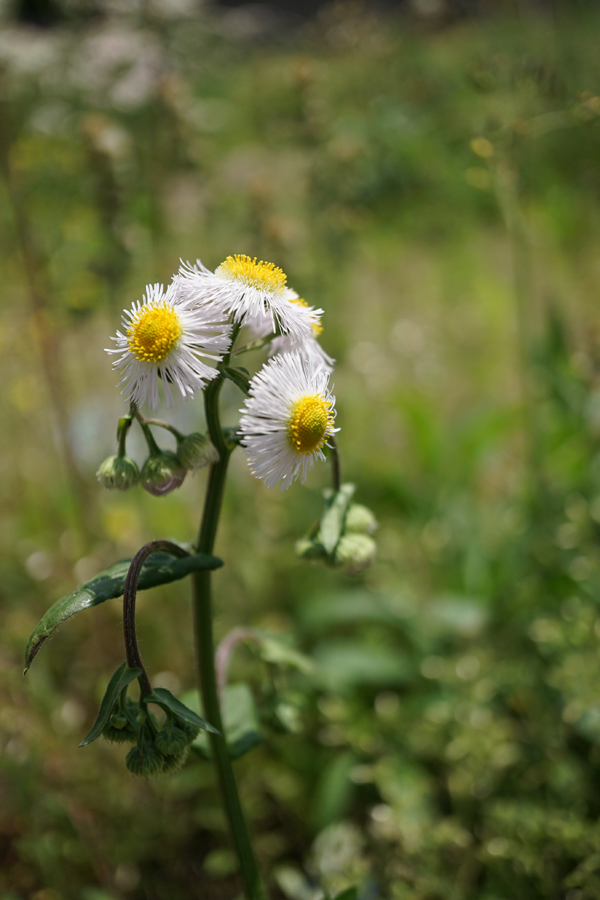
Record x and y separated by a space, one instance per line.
203 626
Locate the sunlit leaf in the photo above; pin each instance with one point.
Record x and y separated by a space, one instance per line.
160 568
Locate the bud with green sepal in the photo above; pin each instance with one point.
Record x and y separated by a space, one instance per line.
172 739
119 472
355 552
162 472
359 520
144 759
341 537
196 451
119 729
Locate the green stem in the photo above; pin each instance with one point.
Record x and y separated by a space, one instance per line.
203 627
336 466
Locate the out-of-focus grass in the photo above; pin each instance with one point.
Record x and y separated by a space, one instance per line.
415 185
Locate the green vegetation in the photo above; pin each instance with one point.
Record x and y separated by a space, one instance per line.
437 192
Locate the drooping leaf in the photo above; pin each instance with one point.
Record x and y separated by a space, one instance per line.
332 520
160 568
122 677
239 376
167 701
240 722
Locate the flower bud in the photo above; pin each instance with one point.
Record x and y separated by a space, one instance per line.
146 761
171 740
308 549
174 762
118 473
355 552
359 520
196 451
162 473
118 730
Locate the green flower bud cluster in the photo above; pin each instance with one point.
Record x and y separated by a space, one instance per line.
343 535
157 750
163 471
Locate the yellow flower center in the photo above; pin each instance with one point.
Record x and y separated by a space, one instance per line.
309 423
317 328
153 333
265 276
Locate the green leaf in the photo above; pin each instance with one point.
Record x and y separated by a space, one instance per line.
332 520
240 722
239 376
160 568
122 677
165 699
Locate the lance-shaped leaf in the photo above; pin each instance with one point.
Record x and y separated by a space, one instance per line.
122 677
167 701
160 568
332 520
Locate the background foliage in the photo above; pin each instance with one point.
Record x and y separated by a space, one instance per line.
435 187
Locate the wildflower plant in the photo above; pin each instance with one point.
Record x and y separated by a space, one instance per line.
183 341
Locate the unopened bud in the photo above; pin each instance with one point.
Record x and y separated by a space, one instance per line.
307 549
196 451
146 761
171 740
118 473
174 762
162 473
360 520
355 552
118 730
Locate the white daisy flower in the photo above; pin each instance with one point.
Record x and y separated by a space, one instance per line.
287 419
251 291
308 346
163 338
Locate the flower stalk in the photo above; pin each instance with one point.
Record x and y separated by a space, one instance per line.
203 627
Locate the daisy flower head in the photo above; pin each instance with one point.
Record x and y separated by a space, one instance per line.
162 339
287 419
250 291
307 346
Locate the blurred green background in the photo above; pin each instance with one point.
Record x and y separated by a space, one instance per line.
433 182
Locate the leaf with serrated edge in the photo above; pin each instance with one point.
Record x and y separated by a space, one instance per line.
332 520
167 701
122 677
160 568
